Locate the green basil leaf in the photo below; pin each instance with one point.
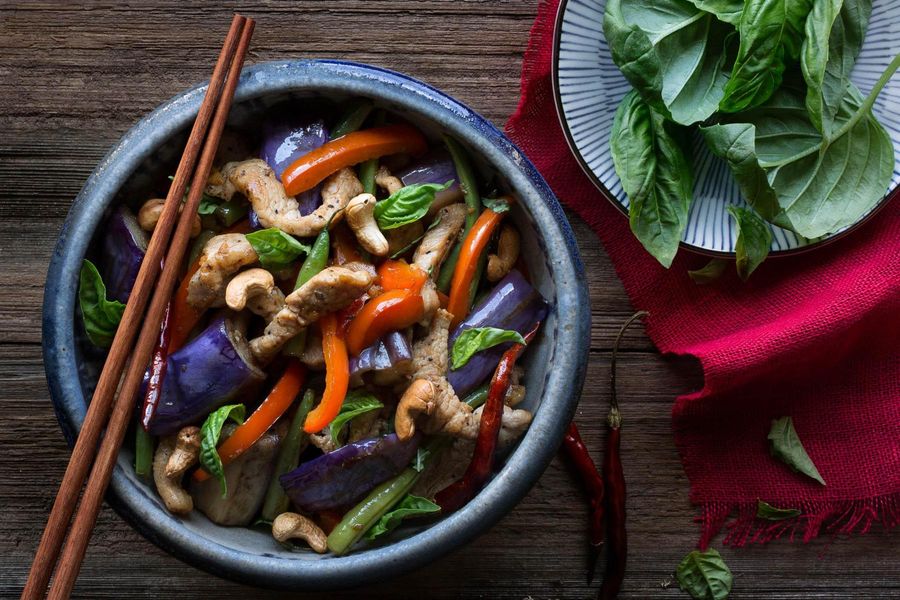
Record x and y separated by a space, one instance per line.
477 339
770 31
785 445
728 11
764 510
673 54
655 174
410 506
208 205
275 248
356 403
833 37
710 272
101 316
407 205
754 238
794 177
498 205
209 439
704 575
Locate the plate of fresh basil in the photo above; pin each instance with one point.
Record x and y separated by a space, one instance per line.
730 127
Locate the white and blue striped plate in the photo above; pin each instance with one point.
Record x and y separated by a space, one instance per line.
588 87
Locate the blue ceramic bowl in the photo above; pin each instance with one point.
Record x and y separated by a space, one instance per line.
555 364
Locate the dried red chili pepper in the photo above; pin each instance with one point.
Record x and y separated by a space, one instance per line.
455 495
157 370
614 480
592 481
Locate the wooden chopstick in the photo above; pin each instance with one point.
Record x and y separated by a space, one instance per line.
218 98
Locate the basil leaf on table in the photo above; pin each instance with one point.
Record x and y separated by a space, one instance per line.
771 31
101 316
655 174
709 272
410 506
275 248
356 403
833 37
476 339
785 445
754 238
672 52
209 439
704 575
407 205
794 177
764 510
728 11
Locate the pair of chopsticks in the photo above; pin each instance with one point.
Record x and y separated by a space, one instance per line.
106 409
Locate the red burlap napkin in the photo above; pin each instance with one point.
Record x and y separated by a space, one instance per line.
815 336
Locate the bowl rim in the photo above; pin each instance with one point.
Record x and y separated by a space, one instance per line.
524 466
576 153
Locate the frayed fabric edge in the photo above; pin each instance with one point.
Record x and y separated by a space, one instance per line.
840 517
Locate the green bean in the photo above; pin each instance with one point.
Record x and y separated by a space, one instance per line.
353 119
469 186
467 180
316 260
231 212
143 451
294 444
199 242
364 515
368 169
478 397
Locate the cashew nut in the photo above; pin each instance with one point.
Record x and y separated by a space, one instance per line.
507 253
148 216
290 525
360 214
255 289
176 498
417 399
515 394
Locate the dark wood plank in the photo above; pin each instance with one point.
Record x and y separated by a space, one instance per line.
75 78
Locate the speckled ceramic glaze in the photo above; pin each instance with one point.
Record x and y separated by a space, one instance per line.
555 364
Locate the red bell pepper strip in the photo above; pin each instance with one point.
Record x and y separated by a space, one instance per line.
391 311
473 248
286 390
400 275
311 168
337 375
454 496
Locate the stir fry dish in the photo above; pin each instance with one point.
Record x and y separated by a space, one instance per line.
341 353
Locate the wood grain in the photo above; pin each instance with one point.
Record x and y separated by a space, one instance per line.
73 79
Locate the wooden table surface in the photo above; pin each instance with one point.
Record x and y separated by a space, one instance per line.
72 80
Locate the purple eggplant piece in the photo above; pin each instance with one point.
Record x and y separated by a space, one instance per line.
393 351
212 369
286 141
124 246
255 225
343 477
435 167
512 304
